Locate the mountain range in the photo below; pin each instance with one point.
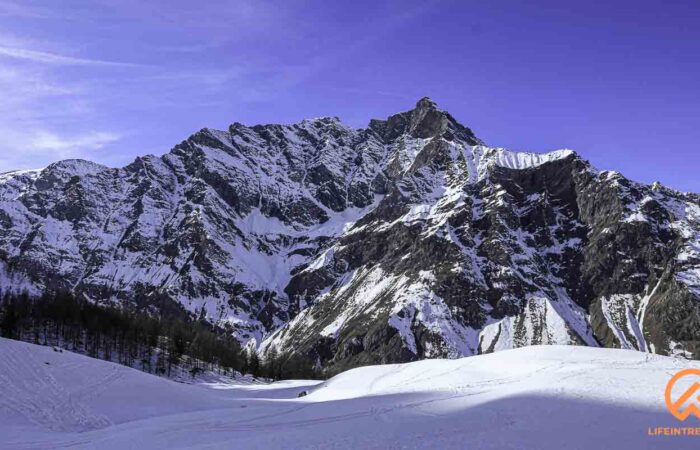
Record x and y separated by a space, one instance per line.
408 239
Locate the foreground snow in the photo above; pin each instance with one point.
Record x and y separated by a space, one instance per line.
536 397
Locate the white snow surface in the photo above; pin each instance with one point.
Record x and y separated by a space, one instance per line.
544 397
526 160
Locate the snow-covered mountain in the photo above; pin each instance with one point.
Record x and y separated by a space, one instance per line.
540 397
405 240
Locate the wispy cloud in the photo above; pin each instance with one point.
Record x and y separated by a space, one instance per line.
38 114
53 58
45 140
36 147
15 9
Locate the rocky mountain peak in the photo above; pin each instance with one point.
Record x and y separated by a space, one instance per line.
425 121
426 103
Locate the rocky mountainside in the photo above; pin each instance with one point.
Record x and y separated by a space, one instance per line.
408 239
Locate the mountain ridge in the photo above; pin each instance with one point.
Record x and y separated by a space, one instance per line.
456 248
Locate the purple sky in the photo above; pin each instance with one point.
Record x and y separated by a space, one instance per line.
618 81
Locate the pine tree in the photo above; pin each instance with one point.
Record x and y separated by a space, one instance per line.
10 318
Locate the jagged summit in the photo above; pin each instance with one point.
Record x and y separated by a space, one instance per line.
424 121
426 103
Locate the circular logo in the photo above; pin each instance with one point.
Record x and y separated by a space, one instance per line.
688 402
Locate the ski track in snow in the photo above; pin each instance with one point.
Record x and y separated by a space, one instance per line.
546 397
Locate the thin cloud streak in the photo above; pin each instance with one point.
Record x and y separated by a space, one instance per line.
53 58
13 9
91 141
35 147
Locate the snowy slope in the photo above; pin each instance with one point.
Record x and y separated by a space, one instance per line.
544 397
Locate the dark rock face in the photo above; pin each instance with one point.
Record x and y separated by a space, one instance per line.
409 239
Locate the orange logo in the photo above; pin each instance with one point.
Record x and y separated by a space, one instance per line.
689 402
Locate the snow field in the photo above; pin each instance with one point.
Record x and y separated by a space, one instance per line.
536 397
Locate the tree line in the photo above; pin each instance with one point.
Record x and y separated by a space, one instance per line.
138 339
